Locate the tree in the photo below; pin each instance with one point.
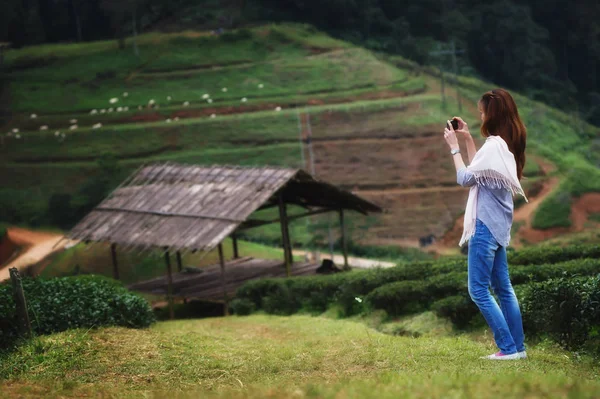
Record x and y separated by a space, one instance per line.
120 11
501 35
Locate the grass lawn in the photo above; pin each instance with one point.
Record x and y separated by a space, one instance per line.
282 357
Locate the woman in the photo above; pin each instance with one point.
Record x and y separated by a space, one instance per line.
493 175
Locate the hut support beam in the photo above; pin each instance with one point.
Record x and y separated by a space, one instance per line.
344 243
179 265
113 252
222 262
180 268
235 247
170 286
285 234
252 223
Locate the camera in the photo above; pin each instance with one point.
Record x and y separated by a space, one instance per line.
454 123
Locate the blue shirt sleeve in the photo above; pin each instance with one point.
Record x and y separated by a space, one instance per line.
465 178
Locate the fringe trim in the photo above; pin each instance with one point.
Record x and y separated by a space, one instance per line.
493 179
468 232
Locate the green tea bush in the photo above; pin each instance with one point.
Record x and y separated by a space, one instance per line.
533 273
317 293
582 178
359 284
566 309
281 300
404 297
255 290
356 292
460 309
554 211
401 297
241 307
448 284
59 304
552 254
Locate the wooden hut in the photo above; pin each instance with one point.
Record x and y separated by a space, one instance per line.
179 208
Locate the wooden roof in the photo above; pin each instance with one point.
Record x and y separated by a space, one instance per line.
191 207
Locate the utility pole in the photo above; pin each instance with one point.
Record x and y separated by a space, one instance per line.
301 136
306 136
453 52
311 154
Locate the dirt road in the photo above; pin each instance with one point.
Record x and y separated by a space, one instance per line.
361 263
36 245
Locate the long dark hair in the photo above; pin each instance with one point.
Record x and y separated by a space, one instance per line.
502 119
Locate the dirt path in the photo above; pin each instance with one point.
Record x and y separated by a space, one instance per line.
37 245
361 263
525 212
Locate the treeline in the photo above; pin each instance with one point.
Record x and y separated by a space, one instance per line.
547 49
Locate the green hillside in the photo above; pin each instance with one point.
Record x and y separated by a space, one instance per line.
374 118
283 357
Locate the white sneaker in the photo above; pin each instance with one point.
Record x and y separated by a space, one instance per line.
502 356
522 355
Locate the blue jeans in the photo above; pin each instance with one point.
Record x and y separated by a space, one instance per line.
488 266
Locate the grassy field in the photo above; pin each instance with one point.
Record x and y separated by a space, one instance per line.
283 357
375 122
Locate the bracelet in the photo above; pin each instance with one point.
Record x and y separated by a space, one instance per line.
455 151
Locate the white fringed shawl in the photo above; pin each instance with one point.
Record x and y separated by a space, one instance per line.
493 166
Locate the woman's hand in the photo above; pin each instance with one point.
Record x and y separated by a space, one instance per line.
463 128
450 138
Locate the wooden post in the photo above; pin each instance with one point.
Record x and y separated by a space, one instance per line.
179 266
170 286
21 303
222 262
344 244
113 252
284 235
235 247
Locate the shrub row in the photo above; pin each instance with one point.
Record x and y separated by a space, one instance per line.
59 304
407 296
398 290
459 309
403 297
552 254
576 267
316 293
554 211
565 309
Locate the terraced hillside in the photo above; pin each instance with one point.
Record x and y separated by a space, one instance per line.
243 98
